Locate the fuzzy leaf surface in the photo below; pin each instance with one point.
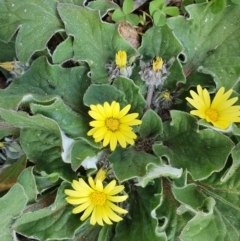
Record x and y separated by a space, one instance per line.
50 80
40 139
95 42
200 152
51 223
140 221
18 200
210 42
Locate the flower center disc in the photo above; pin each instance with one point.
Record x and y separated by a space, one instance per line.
98 198
112 124
212 114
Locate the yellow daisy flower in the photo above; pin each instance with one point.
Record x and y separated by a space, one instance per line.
220 111
112 125
121 59
157 64
96 200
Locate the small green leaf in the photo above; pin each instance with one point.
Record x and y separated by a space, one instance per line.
127 6
63 52
9 175
236 1
12 206
132 19
118 16
27 180
156 6
159 19
151 125
172 11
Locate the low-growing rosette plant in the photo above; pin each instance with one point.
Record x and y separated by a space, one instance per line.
103 140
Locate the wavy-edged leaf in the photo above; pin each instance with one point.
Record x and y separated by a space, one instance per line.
200 152
210 42
11 207
94 41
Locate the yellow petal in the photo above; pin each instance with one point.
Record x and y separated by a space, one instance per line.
116 190
121 139
107 138
109 187
96 115
93 217
99 215
113 141
81 207
87 212
116 208
124 111
76 201
115 110
113 216
117 199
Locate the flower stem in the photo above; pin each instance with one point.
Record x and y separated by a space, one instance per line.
149 95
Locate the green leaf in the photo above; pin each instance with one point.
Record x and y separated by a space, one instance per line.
103 6
156 171
12 206
9 175
159 19
132 19
132 93
52 218
7 51
236 1
207 225
172 11
27 180
130 163
151 125
98 94
50 80
170 220
37 19
63 52
160 38
210 43
141 221
103 39
118 16
40 139
155 6
127 6
69 121
200 152
46 181
80 151
217 6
